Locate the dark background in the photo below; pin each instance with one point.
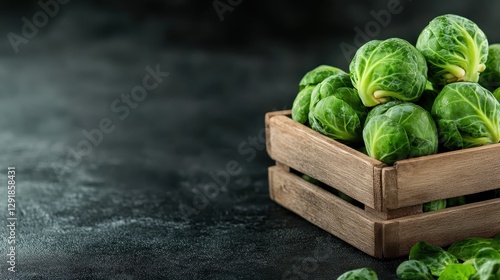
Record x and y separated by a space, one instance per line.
120 212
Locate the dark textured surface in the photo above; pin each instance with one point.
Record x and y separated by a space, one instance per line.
119 213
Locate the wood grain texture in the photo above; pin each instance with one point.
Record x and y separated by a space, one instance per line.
327 211
389 214
447 175
442 227
268 123
322 158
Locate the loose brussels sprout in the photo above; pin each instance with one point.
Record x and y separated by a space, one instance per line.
399 130
390 69
300 107
413 270
466 249
490 270
434 257
301 104
487 264
467 115
457 271
490 78
317 75
359 274
455 49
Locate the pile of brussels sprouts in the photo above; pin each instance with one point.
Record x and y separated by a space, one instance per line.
471 258
401 101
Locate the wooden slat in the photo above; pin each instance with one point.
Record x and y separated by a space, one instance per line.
442 227
268 123
322 158
326 210
447 175
389 214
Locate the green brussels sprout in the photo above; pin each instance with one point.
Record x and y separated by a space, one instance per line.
359 274
490 78
300 107
301 104
467 115
490 270
317 75
455 49
335 109
487 263
398 130
466 249
389 69
434 205
337 116
457 271
386 140
413 270
329 86
434 257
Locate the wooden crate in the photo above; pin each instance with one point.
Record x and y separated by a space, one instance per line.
390 220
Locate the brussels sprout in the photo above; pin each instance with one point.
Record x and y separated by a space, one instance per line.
317 75
390 69
434 205
490 78
434 257
487 264
301 104
485 254
413 270
490 270
336 110
329 86
398 130
359 274
466 249
386 140
335 118
457 271
300 107
467 115
455 48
